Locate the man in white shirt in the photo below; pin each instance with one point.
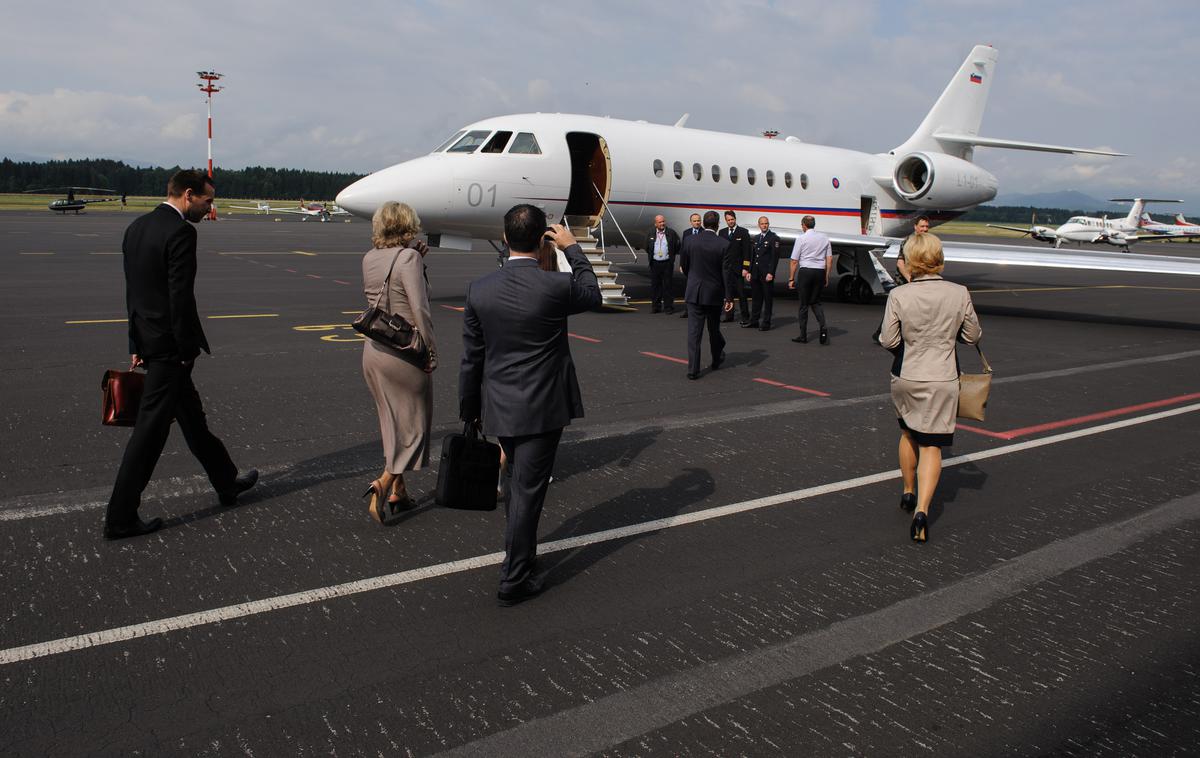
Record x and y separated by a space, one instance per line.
811 264
662 245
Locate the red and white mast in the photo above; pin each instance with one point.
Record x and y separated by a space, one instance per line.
207 87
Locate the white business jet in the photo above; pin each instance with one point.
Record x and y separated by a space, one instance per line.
305 209
1135 227
615 176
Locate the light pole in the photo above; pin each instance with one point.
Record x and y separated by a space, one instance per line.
208 88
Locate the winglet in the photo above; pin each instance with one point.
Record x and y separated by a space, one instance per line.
682 120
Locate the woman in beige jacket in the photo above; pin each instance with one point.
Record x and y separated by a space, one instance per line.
921 322
399 380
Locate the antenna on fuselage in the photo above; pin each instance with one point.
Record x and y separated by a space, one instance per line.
682 120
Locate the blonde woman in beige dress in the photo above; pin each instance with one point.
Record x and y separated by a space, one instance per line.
921 322
400 381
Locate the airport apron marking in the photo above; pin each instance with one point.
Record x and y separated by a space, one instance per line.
346 589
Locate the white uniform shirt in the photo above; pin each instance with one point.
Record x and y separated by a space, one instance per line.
811 249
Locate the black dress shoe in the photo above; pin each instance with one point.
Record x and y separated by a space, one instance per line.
749 324
716 364
241 484
693 376
801 339
824 337
136 529
527 590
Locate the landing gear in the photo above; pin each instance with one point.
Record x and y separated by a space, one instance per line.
852 288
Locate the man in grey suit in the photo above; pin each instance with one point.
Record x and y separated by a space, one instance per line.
702 258
518 376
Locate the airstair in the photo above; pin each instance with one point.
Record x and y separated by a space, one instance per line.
582 227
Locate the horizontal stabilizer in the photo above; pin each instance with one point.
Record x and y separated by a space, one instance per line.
1141 200
971 139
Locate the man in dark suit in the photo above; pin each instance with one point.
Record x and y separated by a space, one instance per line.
764 257
703 258
165 337
695 228
518 376
662 246
736 259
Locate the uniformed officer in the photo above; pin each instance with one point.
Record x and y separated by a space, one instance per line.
764 257
736 259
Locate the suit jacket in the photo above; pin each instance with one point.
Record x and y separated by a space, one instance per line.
159 254
702 258
927 315
408 291
672 244
738 256
517 373
764 253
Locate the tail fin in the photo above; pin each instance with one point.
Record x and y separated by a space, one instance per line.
1133 219
959 110
1181 221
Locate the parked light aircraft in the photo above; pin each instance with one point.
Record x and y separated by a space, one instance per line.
616 175
1180 228
1135 227
72 203
306 209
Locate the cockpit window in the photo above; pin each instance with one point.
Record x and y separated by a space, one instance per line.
470 142
525 143
1075 220
448 142
496 144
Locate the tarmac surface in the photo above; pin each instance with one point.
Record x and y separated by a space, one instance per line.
729 573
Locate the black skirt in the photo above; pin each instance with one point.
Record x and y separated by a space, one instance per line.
928 439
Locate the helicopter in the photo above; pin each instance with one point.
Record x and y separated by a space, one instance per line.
71 203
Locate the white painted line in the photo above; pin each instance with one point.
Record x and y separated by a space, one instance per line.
305 597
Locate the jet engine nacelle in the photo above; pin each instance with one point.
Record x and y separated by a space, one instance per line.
934 180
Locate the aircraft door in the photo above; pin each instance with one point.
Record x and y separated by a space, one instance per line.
868 216
591 176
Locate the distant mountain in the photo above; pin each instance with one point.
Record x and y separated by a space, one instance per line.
1067 199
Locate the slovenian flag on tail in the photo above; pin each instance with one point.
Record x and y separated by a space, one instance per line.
976 79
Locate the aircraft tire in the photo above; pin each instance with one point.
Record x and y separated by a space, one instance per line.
861 291
845 287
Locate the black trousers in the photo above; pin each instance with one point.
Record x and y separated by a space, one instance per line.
809 283
168 394
530 464
737 285
661 284
700 316
763 294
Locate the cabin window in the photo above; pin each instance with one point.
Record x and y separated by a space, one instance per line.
525 144
804 181
770 178
448 142
750 176
496 144
470 142
658 168
678 170
733 174
787 179
716 172
697 171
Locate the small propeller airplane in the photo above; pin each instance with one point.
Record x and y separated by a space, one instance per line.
72 203
1135 227
306 209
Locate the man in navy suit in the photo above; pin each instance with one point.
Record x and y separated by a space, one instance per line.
165 337
518 377
702 258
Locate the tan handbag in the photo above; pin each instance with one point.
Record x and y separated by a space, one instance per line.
973 391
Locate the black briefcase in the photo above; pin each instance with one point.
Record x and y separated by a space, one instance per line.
468 471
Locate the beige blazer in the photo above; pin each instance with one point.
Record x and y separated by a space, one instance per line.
407 289
927 315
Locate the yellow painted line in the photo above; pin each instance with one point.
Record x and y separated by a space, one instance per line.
248 315
350 313
302 252
37 253
101 321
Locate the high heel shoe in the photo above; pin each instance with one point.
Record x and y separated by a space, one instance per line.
375 492
908 502
919 531
402 501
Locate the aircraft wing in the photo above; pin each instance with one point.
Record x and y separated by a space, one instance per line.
789 234
1163 237
1021 229
1096 260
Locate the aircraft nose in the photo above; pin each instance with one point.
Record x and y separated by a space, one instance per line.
419 183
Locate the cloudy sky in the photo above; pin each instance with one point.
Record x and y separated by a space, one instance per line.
360 85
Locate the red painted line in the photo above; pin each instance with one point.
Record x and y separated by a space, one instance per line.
339 281
290 270
586 339
793 387
458 308
664 357
312 276
984 432
1026 430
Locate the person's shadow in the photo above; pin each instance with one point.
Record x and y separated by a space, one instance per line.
589 455
746 358
633 506
952 480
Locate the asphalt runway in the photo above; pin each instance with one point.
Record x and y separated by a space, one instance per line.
729 571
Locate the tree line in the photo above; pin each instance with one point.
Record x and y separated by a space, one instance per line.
251 182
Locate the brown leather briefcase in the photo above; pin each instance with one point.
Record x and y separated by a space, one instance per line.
122 396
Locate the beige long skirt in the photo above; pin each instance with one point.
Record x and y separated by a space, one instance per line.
403 395
928 407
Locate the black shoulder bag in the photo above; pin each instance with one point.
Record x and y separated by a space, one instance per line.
387 328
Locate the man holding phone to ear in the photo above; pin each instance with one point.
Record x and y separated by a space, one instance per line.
517 375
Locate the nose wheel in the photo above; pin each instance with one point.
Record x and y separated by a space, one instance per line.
854 289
